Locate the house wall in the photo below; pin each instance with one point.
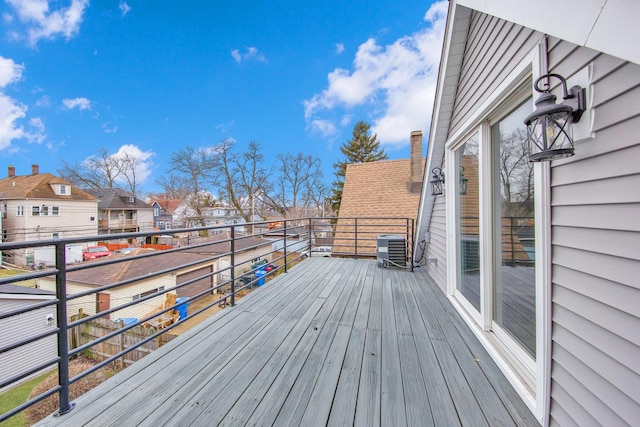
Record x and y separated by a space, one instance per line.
481 73
17 328
118 296
74 220
595 224
145 219
595 212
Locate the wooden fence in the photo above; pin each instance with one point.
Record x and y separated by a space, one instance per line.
87 332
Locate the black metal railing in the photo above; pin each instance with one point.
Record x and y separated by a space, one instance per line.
253 257
517 240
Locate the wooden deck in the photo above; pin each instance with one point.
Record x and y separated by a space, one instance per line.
332 342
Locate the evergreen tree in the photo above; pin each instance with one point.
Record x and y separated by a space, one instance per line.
362 147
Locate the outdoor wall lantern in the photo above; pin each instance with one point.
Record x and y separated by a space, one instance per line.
437 179
549 131
463 182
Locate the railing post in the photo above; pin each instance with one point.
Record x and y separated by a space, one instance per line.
285 246
63 345
513 253
233 265
413 230
356 237
310 234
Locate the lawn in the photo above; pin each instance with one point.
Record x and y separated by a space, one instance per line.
16 397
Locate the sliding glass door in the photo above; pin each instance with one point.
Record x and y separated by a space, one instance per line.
466 179
513 296
491 184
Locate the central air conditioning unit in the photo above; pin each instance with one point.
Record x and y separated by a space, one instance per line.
391 251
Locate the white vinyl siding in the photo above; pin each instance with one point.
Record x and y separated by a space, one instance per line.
596 250
16 328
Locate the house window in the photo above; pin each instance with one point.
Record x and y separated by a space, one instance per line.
35 210
156 212
514 302
63 189
493 261
19 210
55 210
55 235
147 293
44 210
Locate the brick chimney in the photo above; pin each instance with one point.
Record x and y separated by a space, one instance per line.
35 169
415 179
12 171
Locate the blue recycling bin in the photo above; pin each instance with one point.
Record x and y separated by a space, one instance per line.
183 308
260 273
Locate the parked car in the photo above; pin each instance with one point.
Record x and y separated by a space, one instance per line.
93 252
324 251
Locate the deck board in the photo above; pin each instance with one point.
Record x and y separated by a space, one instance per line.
331 342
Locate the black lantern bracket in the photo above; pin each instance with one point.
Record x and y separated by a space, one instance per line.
574 97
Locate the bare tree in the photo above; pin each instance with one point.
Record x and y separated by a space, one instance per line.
196 167
516 173
297 183
127 165
99 171
174 186
242 177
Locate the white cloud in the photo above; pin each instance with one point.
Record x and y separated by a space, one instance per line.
339 47
109 128
79 103
10 112
43 101
250 54
396 81
326 127
41 22
124 8
10 72
142 161
13 111
37 135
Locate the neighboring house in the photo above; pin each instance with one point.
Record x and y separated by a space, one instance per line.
23 326
163 211
221 215
42 206
387 188
141 269
121 212
198 261
561 317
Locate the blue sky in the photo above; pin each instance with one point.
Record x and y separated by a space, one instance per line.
150 77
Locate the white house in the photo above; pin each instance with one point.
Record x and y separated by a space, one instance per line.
41 206
542 259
